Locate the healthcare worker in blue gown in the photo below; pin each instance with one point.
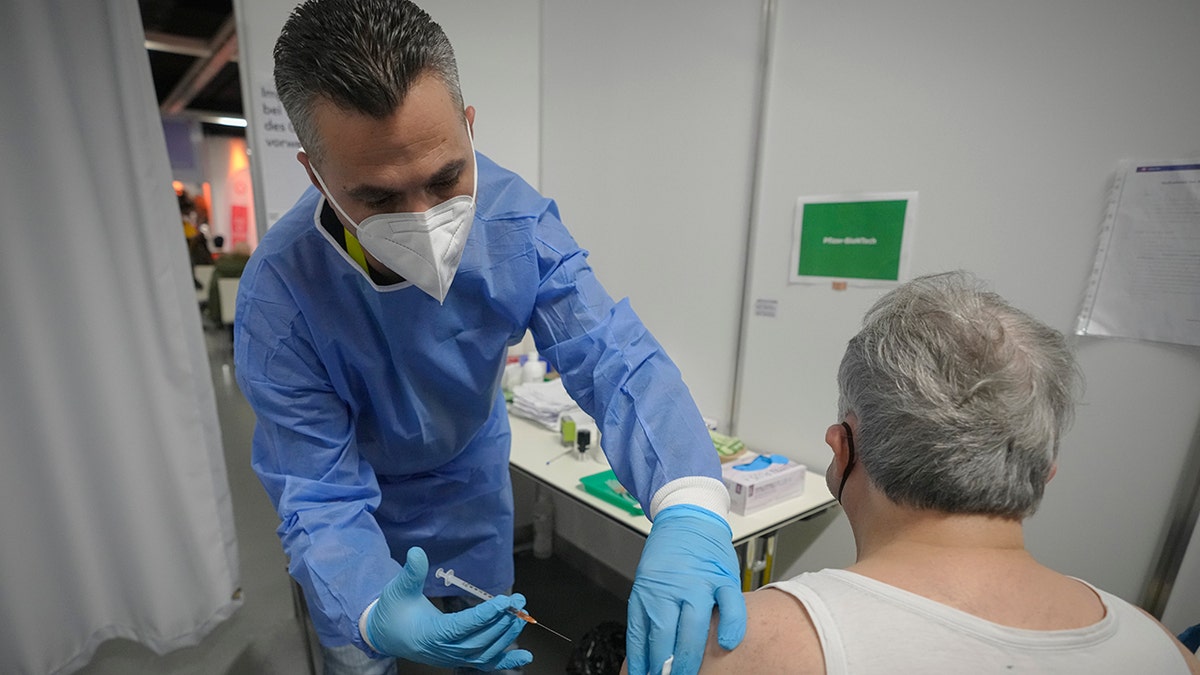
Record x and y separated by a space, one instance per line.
372 328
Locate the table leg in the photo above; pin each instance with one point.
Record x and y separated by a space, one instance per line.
758 562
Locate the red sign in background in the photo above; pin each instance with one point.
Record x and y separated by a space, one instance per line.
239 223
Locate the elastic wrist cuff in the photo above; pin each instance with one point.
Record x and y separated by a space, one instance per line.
707 493
362 625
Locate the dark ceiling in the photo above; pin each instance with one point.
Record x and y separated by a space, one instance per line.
192 46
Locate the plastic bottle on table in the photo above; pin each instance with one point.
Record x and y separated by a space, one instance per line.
534 369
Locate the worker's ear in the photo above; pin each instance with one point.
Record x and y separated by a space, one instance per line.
1053 470
302 157
469 112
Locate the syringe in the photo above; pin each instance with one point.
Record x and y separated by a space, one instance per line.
450 579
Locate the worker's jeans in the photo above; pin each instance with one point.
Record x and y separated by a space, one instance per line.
350 660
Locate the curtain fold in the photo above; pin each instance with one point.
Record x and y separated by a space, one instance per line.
115 513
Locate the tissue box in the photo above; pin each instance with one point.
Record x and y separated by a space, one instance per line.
750 491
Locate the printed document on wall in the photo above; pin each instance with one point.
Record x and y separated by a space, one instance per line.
1146 281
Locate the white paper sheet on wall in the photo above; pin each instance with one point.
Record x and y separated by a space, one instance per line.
1145 284
275 145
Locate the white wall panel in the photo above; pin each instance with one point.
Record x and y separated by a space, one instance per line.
647 130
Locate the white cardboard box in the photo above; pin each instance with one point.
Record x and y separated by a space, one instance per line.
750 491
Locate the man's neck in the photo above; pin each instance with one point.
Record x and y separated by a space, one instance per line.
889 531
976 564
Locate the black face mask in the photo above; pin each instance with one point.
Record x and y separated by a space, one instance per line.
850 464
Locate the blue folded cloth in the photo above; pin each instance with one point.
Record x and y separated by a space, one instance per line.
1191 638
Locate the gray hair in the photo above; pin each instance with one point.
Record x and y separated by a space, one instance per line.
362 55
961 398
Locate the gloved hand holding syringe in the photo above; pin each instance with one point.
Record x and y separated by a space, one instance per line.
451 580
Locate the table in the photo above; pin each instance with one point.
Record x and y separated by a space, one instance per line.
753 535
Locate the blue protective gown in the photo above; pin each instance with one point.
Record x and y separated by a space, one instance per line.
381 423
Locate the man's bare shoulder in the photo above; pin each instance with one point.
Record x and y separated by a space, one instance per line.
780 638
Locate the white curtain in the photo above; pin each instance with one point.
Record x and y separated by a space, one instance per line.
115 519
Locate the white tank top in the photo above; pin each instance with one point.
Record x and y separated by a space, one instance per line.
866 626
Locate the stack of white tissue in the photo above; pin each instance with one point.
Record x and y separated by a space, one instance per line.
546 403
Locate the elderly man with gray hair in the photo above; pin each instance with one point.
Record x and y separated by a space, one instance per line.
952 405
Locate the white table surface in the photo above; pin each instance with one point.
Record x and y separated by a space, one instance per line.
534 445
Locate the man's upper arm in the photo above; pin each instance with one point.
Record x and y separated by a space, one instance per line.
780 638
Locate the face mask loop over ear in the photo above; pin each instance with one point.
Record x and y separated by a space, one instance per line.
849 463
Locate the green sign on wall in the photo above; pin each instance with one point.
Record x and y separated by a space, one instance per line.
852 237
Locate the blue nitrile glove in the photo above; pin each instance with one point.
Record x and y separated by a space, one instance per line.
687 565
404 623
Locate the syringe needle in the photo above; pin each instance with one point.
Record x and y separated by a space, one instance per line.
552 631
525 616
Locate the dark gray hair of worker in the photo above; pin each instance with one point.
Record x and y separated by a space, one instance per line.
362 55
961 398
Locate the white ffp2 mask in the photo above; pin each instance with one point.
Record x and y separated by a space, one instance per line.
424 248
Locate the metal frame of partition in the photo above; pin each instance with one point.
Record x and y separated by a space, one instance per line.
1181 524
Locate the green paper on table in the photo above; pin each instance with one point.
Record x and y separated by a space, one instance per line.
728 448
606 486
